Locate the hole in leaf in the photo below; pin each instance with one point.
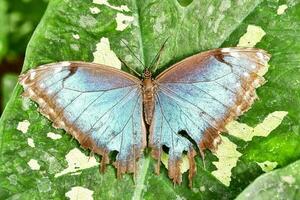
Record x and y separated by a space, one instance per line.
185 3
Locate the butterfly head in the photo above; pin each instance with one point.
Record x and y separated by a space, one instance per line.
147 74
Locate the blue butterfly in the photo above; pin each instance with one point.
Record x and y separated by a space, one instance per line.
107 109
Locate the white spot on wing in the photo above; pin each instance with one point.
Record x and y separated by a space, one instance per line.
77 161
30 142
33 164
123 21
104 55
260 55
281 9
225 50
30 92
53 136
23 126
253 66
234 54
246 74
60 65
32 75
105 2
80 193
253 35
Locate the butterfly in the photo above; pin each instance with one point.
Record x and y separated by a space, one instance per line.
107 109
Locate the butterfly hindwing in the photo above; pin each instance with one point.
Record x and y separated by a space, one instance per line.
100 106
200 95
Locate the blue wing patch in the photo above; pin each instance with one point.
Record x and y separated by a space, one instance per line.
101 107
200 95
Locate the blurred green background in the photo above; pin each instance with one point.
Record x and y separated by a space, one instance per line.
18 19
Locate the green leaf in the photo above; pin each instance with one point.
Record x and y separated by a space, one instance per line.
4 29
281 184
70 31
8 84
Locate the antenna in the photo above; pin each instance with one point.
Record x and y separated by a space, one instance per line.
122 61
155 60
133 53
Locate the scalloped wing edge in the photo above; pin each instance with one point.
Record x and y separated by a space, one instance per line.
211 137
127 166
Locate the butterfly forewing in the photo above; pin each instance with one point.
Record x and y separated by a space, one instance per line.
100 106
200 95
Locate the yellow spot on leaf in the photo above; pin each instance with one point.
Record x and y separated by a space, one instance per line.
184 164
30 142
77 161
105 2
281 9
95 10
53 136
253 35
227 153
33 164
80 193
104 55
245 132
123 21
228 157
76 36
267 166
23 126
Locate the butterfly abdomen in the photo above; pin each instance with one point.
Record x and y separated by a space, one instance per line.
148 99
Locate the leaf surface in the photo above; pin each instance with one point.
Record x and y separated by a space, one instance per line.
77 30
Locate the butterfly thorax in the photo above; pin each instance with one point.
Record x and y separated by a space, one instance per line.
148 96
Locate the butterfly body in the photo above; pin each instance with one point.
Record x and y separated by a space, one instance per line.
148 88
107 109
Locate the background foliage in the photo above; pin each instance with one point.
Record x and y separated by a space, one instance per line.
193 26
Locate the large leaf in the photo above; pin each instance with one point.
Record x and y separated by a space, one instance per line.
281 183
73 29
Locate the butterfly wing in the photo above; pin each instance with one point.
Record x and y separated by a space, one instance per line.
200 95
100 106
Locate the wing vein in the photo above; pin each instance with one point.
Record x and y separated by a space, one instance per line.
202 111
